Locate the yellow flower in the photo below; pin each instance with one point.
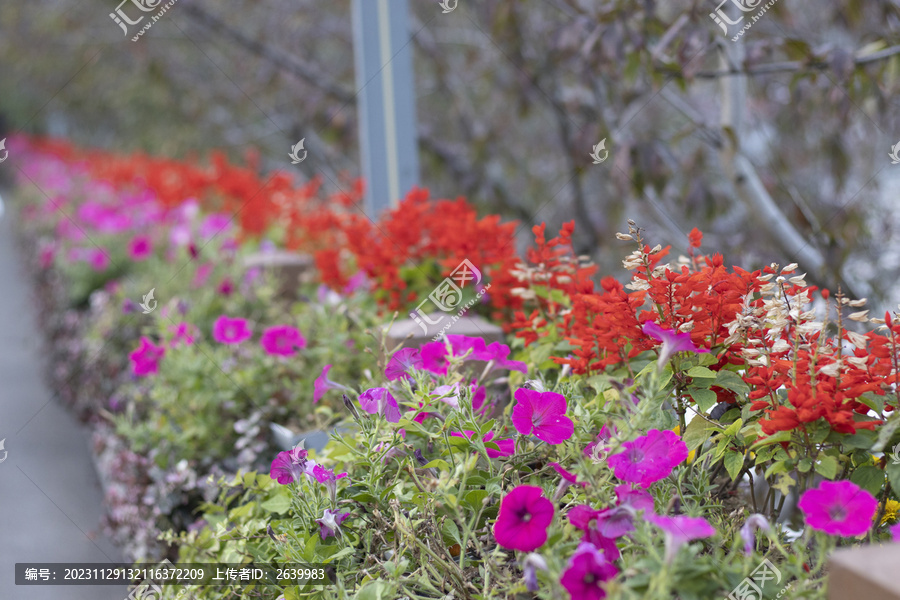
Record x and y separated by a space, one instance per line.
691 454
891 509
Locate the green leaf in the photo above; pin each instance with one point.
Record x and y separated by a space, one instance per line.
780 436
734 462
278 504
697 432
887 430
805 465
730 380
701 373
451 531
377 589
475 498
734 428
705 399
437 463
868 478
876 403
892 470
827 467
862 439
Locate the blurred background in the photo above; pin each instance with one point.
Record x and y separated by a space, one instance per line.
776 146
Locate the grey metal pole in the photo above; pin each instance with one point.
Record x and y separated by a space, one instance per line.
387 103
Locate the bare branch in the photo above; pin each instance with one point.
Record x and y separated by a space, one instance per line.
795 65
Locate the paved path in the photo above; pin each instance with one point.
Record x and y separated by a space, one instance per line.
50 498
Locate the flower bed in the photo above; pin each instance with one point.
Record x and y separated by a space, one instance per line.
676 435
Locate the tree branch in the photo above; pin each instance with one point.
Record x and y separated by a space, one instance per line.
795 65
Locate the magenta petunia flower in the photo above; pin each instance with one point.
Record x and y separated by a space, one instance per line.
146 358
214 225
543 414
586 519
524 518
635 498
588 570
895 532
570 478
680 530
448 394
379 401
748 531
289 466
282 340
326 477
506 447
231 331
185 333
435 355
672 342
401 363
140 248
649 458
98 259
356 282
330 523
322 384
434 358
598 448
838 508
226 287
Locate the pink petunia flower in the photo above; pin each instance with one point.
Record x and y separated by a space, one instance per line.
598 448
748 531
226 287
589 569
146 358
401 363
587 520
838 508
140 248
568 477
506 447
282 340
322 384
330 523
680 529
356 282
672 342
524 518
895 532
231 331
289 466
542 414
435 355
326 477
649 458
98 259
185 333
214 225
379 401
448 394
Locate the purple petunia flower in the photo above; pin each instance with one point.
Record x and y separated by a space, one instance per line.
185 333
895 532
543 414
401 363
231 331
588 570
379 401
530 566
98 259
435 355
326 477
506 447
838 508
672 342
748 530
568 477
322 384
282 340
649 458
330 523
586 519
287 467
523 519
146 358
680 530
